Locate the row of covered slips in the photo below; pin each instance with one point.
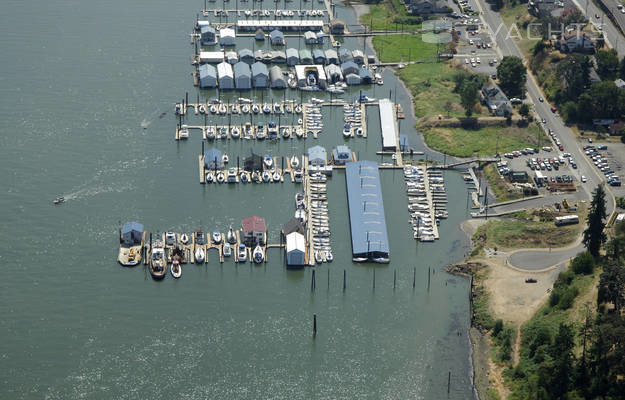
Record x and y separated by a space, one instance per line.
241 76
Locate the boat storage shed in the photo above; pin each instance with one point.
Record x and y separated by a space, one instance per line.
277 38
358 56
232 57
277 78
345 55
207 35
317 155
242 76
247 56
260 75
211 57
132 233
332 56
305 57
212 159
352 79
295 249
208 76
387 120
366 212
365 75
310 37
333 72
349 67
226 37
292 56
225 76
342 155
319 57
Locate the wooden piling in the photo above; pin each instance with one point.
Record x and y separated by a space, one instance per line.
315 326
394 279
448 382
344 280
414 277
428 279
374 278
312 281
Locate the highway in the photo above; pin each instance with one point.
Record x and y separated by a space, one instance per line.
505 46
612 36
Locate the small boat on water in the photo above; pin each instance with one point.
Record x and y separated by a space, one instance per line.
213 109
294 162
244 100
217 237
231 237
210 132
184 238
260 131
170 238
184 132
245 109
235 132
225 159
223 109
209 177
347 130
276 176
268 161
244 177
242 254
298 109
59 200
199 254
202 109
318 257
221 178
266 108
266 176
227 250
359 132
286 132
255 108
277 108
258 255
200 238
157 265
176 269
329 256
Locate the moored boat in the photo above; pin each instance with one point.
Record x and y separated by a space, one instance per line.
231 237
157 264
258 255
176 269
242 253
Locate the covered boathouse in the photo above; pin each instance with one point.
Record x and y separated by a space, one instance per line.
366 212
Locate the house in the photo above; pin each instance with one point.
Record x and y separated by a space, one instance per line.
277 78
358 56
254 231
208 76
225 76
247 56
232 57
345 55
317 156
212 159
253 162
365 75
616 128
131 233
341 155
319 56
332 56
260 75
352 79
576 42
277 38
242 76
295 249
207 36
305 56
620 83
226 37
292 56
333 72
294 225
310 37
542 8
259 35
495 99
349 67
422 7
337 27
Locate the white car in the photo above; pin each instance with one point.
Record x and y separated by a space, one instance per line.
583 179
471 41
478 60
466 60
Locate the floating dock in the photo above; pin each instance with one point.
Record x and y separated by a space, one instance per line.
366 212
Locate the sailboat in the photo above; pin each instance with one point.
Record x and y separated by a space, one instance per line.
199 254
231 236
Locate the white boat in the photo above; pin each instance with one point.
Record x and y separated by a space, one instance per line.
244 100
175 269
288 108
223 109
217 237
184 132
231 237
244 177
329 256
347 130
298 109
225 159
227 250
199 254
221 178
210 132
245 109
258 255
266 108
294 162
359 132
298 176
235 132
232 175
277 108
318 257
276 176
170 238
268 161
255 108
209 177
242 253
184 238
213 109
266 176
286 132
260 132
157 266
202 109
299 133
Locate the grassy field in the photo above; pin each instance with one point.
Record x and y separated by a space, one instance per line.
524 231
381 16
518 15
485 141
407 47
498 186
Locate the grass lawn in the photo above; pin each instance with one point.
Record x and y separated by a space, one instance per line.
381 16
407 47
523 231
498 186
518 15
462 142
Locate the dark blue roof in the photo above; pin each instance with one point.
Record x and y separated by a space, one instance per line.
366 210
132 226
212 159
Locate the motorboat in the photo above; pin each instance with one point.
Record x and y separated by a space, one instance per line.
299 200
318 257
276 176
227 250
292 83
298 109
266 108
258 255
176 269
244 177
244 100
329 256
242 253
223 109
294 162
213 109
225 159
298 176
299 133
256 177
245 109
255 108
157 266
231 237
359 132
200 238
272 130
268 161
183 133
221 178
232 175
260 132
59 200
210 132
277 108
288 108
266 176
170 238
286 132
199 254
234 109
347 130
184 238
209 177
235 132
217 237
202 109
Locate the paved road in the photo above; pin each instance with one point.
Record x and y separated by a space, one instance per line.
612 35
532 259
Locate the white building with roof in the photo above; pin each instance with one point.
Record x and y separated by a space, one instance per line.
295 249
226 37
387 121
208 76
225 76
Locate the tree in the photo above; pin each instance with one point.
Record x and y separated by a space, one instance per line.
622 69
569 112
512 75
594 236
575 71
524 110
448 106
562 353
469 93
612 285
583 263
607 64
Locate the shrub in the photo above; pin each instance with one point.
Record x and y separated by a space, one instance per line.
498 327
583 263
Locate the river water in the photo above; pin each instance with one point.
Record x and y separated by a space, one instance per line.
78 78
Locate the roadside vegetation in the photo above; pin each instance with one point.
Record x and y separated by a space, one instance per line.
499 188
389 15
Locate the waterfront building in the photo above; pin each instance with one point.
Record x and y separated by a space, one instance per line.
225 76
242 76
208 76
260 75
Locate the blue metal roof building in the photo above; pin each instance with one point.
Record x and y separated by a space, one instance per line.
132 233
242 75
366 212
212 159
317 155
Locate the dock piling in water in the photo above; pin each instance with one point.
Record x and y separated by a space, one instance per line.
312 281
394 279
414 277
344 280
314 324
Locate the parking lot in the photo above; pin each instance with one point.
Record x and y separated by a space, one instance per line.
475 47
609 163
